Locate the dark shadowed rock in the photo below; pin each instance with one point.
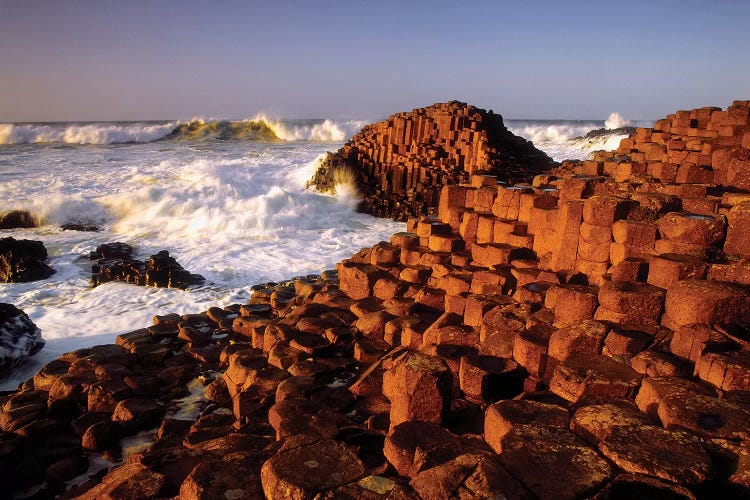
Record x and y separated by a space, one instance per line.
553 462
16 219
23 260
114 263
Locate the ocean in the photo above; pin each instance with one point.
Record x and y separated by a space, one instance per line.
226 198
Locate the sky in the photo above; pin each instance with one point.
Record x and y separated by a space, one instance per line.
65 60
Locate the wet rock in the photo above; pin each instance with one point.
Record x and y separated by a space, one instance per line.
589 377
501 418
571 303
232 476
104 396
498 331
411 447
586 337
112 251
100 436
137 414
667 269
19 337
65 469
737 242
372 487
671 455
645 487
16 219
488 378
684 404
23 260
294 417
114 263
312 468
692 229
707 302
90 228
468 476
418 387
553 462
653 363
21 409
594 422
208 427
630 303
128 481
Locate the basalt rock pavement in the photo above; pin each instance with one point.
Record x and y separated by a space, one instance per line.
584 334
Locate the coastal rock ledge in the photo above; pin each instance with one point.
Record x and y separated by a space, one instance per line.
583 335
400 165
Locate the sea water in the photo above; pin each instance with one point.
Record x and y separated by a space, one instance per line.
227 199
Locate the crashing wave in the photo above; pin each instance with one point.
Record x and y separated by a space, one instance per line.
224 130
86 133
258 128
616 121
575 140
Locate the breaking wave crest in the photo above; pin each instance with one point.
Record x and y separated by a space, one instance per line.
225 130
574 139
84 133
258 128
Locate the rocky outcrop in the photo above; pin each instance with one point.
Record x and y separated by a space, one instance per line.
601 132
114 262
23 260
400 165
16 219
19 337
79 227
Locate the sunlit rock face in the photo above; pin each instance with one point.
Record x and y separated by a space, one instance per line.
399 165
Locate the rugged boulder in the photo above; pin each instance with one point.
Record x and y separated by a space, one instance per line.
23 260
19 337
16 219
114 262
400 165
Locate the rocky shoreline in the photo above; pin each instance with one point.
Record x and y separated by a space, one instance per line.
585 333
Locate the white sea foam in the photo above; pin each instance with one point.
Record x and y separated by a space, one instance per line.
326 131
95 133
616 120
545 132
144 132
565 140
235 212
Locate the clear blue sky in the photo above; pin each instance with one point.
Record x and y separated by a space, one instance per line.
132 59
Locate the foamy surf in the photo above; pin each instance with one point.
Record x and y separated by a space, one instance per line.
236 212
257 128
566 139
89 133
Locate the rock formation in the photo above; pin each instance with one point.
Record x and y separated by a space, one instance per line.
114 262
583 335
16 219
23 260
19 337
400 165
